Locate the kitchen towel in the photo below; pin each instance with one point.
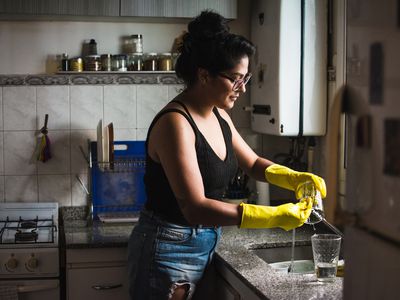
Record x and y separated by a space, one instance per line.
8 292
263 193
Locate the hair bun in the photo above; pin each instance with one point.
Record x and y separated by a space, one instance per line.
208 26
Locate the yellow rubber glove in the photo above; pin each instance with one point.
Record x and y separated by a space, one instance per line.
286 216
289 179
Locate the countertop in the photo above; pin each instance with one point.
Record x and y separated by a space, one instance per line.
234 250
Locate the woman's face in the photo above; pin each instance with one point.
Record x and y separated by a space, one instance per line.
226 87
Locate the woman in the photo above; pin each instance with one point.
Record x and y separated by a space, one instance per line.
193 150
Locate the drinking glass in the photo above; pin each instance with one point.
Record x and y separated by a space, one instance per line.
326 248
308 190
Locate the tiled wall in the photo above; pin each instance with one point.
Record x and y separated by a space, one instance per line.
74 112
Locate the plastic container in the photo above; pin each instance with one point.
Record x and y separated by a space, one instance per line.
120 189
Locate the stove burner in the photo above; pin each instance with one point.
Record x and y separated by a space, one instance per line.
28 224
30 236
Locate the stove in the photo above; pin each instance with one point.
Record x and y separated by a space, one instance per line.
29 253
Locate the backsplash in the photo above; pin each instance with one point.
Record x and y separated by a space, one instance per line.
75 105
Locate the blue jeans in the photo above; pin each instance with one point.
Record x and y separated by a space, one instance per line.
163 256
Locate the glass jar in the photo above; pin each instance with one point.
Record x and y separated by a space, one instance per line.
64 62
119 63
150 62
165 62
133 44
92 63
106 62
135 62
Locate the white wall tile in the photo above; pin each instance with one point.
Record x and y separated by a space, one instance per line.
1 153
120 106
150 99
1 188
19 152
174 90
86 106
54 101
141 134
125 134
21 188
19 108
79 138
60 150
55 188
79 196
1 108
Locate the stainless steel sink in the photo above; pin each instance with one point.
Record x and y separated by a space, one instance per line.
279 258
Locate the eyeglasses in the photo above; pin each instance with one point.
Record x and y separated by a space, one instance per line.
237 83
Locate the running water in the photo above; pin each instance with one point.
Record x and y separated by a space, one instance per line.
291 266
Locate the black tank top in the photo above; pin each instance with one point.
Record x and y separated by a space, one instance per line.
216 173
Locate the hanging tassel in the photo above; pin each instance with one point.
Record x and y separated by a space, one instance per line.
44 147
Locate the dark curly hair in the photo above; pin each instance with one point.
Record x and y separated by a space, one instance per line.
210 45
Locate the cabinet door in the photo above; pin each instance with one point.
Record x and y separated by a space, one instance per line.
29 7
102 283
89 7
177 8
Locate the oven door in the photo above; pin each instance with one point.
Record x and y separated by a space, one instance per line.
41 289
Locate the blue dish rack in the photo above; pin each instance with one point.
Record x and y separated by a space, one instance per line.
118 187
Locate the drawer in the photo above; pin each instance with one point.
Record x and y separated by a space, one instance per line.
97 283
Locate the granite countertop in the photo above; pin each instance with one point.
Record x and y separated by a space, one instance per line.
234 251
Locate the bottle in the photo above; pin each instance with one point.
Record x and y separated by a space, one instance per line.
92 47
64 62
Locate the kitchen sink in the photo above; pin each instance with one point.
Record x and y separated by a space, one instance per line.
279 258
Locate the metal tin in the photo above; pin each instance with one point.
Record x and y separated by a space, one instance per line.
92 63
76 64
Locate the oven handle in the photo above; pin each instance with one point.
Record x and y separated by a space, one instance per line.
36 288
106 287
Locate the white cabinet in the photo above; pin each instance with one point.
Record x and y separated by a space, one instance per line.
288 89
177 8
99 274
